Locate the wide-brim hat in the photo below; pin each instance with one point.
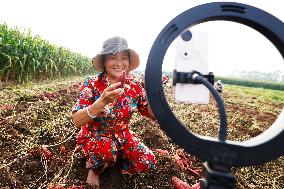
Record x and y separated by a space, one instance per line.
112 46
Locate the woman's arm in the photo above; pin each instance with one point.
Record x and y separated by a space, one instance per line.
109 95
81 117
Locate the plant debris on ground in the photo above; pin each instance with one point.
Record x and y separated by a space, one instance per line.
37 140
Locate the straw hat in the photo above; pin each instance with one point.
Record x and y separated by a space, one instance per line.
112 46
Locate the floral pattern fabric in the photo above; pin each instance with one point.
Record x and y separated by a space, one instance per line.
107 139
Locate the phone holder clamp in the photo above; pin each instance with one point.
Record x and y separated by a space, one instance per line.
186 77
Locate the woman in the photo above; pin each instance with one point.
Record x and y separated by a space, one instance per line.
103 111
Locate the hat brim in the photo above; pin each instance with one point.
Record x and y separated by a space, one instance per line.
133 62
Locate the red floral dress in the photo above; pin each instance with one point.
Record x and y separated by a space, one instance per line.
107 139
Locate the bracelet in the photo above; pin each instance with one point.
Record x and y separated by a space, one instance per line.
92 117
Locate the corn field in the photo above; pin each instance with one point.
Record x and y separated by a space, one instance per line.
25 57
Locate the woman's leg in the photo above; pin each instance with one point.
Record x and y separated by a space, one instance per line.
101 152
93 179
135 156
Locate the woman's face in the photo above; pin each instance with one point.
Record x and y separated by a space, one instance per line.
116 64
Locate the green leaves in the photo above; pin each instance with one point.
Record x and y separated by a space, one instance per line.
24 58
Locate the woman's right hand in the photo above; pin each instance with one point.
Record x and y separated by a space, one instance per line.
111 93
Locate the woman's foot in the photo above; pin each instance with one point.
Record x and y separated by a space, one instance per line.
93 179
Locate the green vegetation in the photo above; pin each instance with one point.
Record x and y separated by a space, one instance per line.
251 83
269 94
25 58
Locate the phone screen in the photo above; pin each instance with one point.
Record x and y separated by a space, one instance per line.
192 54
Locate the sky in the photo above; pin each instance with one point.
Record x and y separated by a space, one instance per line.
83 25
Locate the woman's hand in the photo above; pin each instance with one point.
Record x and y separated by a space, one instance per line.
111 93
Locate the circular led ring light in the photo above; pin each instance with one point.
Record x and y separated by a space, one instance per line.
264 147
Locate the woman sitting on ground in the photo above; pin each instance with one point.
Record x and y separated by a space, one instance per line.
103 111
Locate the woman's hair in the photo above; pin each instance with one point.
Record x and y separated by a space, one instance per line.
103 57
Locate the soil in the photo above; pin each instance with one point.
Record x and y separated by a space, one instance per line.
37 139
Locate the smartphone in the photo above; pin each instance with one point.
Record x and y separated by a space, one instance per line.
192 54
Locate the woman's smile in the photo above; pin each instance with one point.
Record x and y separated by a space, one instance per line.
116 64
